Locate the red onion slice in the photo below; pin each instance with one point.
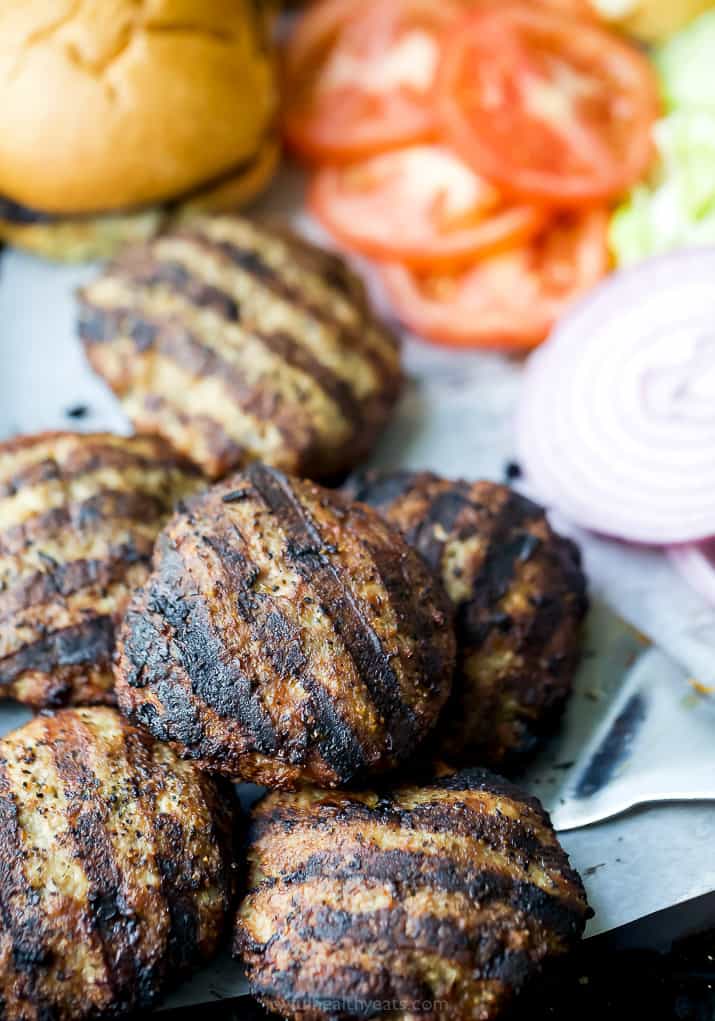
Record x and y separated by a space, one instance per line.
617 421
697 566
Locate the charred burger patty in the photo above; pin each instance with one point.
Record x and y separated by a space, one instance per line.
116 870
520 599
429 902
237 344
79 514
286 635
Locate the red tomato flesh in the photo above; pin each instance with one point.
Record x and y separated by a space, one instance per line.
360 77
420 205
547 107
511 300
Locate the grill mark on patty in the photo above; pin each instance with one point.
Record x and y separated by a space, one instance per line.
82 515
280 641
167 831
183 346
400 932
110 914
101 325
250 261
500 833
304 550
388 564
83 460
378 490
29 953
431 535
221 685
566 601
480 779
91 642
64 580
508 543
160 412
409 872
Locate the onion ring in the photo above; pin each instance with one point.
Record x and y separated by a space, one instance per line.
697 565
616 426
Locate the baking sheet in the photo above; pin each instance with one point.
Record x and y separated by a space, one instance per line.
455 418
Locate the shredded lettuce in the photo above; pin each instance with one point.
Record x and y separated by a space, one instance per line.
677 209
687 65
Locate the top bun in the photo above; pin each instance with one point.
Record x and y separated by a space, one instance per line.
113 104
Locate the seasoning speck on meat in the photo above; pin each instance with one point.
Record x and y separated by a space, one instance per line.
442 901
116 875
239 344
79 514
520 599
286 634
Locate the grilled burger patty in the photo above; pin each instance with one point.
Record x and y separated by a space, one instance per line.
286 635
520 596
359 904
79 514
238 344
116 870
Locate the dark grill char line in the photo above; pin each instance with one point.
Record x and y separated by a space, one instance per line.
111 919
157 323
56 643
124 507
354 904
208 654
178 343
85 644
527 602
280 640
304 548
408 872
67 579
113 948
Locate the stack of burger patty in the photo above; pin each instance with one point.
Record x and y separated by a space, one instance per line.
252 625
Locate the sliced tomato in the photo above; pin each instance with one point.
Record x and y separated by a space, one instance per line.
421 205
547 107
511 300
360 76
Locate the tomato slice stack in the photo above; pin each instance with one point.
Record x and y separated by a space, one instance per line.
472 148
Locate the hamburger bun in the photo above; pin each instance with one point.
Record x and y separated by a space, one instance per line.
651 20
111 113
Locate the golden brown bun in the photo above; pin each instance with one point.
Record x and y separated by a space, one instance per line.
115 105
652 20
78 238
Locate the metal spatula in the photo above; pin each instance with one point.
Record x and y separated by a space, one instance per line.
638 731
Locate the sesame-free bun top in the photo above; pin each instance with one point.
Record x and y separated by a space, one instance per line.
114 104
